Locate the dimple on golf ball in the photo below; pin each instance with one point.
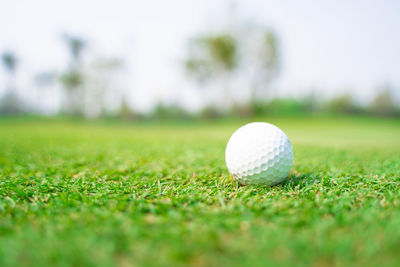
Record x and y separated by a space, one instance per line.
259 153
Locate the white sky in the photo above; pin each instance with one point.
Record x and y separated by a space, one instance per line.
329 46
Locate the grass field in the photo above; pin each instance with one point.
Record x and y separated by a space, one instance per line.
113 193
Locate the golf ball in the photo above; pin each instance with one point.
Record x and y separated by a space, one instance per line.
259 153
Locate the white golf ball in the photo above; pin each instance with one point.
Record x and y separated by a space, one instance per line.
259 153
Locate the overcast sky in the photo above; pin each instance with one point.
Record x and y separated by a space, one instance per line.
326 45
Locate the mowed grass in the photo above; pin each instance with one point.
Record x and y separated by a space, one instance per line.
126 194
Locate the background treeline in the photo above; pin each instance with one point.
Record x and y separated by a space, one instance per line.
233 69
382 105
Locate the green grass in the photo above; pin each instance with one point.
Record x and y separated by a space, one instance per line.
102 194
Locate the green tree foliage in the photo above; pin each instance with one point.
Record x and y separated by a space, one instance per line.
213 57
223 50
71 80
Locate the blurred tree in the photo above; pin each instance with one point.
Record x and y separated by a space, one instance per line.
169 111
253 49
213 57
10 61
210 112
265 61
383 104
126 112
101 87
71 81
9 103
42 81
342 104
76 46
73 78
